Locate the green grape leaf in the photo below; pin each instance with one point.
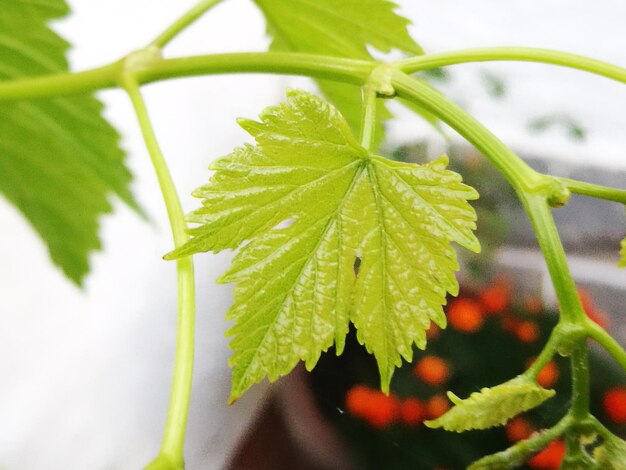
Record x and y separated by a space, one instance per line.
611 455
59 158
622 254
335 234
342 28
492 406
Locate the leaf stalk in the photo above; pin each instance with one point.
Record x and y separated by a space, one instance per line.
175 428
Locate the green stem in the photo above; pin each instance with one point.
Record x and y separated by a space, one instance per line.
516 455
368 121
335 68
580 382
550 243
526 54
185 20
607 342
173 440
532 188
317 66
518 173
62 84
594 190
546 354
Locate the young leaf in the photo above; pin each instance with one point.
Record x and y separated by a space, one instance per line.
342 28
368 241
59 159
622 254
492 406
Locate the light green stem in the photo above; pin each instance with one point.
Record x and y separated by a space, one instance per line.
518 173
550 243
65 84
368 121
526 54
571 332
580 382
520 452
185 20
594 190
546 354
173 440
607 342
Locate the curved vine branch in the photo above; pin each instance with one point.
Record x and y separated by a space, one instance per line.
525 54
183 22
171 455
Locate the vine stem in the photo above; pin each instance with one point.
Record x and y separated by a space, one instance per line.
318 66
513 168
549 241
185 20
72 83
532 188
171 454
573 324
580 382
607 342
368 121
546 354
594 190
526 54
518 453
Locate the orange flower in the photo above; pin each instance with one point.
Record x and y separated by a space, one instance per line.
383 410
412 411
550 457
614 404
358 399
526 332
548 375
465 315
518 429
436 406
378 409
432 369
497 297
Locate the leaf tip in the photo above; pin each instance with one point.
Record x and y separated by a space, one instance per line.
232 399
432 423
171 256
453 398
385 382
251 126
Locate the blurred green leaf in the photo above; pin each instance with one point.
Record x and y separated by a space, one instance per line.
60 160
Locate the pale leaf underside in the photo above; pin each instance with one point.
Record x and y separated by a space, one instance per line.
311 200
59 159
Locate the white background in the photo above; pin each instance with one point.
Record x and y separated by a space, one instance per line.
85 373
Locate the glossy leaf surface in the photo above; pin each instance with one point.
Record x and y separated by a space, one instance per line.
335 235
